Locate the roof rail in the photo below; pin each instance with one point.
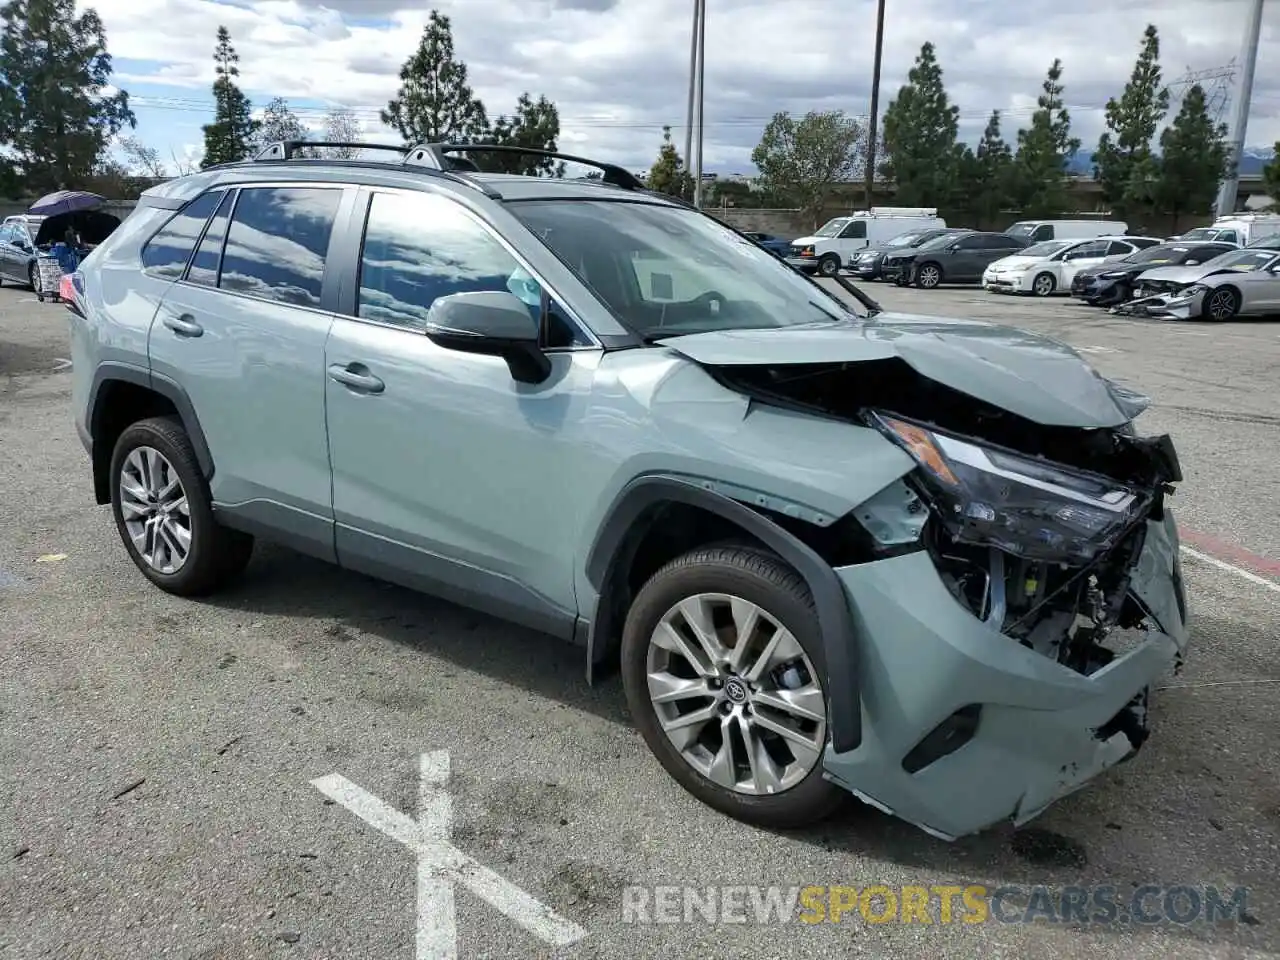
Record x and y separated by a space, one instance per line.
288 150
436 156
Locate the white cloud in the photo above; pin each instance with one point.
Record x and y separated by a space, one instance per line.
617 68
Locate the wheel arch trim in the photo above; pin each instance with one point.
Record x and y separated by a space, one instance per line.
116 371
835 620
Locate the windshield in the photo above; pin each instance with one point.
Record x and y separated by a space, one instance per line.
1246 261
1160 253
907 240
1201 233
831 227
1021 230
1046 249
940 241
666 271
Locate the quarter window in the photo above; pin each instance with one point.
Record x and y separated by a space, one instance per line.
418 248
278 241
204 266
166 254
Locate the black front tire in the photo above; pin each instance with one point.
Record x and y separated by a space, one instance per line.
217 555
760 578
829 265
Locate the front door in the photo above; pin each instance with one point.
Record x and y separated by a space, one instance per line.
852 239
448 474
243 331
1086 255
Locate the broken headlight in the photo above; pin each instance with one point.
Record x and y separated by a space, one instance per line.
1027 507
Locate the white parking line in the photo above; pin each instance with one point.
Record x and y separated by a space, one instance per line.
441 865
1232 568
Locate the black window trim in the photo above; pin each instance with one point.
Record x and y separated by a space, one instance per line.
217 188
234 192
328 286
359 224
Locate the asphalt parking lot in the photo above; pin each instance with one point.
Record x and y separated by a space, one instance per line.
158 754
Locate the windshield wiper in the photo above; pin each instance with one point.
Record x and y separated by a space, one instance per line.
871 306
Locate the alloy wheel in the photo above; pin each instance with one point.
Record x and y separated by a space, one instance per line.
929 276
1043 285
736 694
154 507
1222 305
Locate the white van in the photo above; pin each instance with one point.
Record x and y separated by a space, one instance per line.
830 247
1238 228
1038 231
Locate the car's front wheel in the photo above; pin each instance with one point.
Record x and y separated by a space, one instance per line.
829 265
1221 304
1043 285
928 276
164 513
720 663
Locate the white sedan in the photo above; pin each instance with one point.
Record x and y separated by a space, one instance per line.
1049 267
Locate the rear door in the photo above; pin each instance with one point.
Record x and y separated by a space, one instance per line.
243 332
8 254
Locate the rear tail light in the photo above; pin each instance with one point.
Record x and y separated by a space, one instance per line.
70 291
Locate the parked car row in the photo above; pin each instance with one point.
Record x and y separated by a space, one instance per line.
1237 282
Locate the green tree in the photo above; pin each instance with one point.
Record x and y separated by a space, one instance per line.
1194 159
988 173
534 125
1040 167
1271 175
58 110
804 159
921 127
230 136
141 160
1124 163
668 174
435 104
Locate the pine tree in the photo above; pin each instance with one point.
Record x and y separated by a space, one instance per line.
989 173
1124 162
668 174
1195 159
230 136
920 135
58 112
1039 169
535 125
435 104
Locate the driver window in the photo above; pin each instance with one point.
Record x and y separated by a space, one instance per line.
6 234
857 230
1043 232
405 267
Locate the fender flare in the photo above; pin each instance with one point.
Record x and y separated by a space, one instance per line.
113 371
835 620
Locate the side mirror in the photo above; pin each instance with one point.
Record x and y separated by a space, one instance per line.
492 322
1190 263
22 244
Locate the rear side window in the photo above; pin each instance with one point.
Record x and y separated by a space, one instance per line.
278 241
166 254
204 266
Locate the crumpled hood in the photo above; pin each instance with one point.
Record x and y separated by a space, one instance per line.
1039 379
1177 274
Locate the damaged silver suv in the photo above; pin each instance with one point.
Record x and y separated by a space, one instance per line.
831 550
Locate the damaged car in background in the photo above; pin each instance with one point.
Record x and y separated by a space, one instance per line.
832 550
1241 283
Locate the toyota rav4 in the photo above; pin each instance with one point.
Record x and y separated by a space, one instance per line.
831 550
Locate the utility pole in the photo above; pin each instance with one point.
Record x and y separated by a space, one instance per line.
687 156
1249 55
875 109
702 72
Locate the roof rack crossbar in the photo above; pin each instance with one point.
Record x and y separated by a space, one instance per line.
436 155
288 149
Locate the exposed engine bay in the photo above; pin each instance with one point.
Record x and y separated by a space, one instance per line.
1048 571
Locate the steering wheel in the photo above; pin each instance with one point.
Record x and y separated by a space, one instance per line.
709 296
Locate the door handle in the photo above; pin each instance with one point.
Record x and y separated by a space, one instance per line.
348 376
184 325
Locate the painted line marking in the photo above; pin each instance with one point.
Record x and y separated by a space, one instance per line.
441 866
1232 568
60 364
1231 553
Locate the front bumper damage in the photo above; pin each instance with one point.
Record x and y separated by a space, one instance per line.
1165 306
1039 729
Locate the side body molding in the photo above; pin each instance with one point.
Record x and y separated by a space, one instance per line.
838 653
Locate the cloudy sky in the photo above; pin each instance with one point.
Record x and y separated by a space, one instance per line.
617 69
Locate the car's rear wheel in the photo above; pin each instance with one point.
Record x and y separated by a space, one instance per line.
1043 285
829 265
164 513
720 663
928 276
1221 304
